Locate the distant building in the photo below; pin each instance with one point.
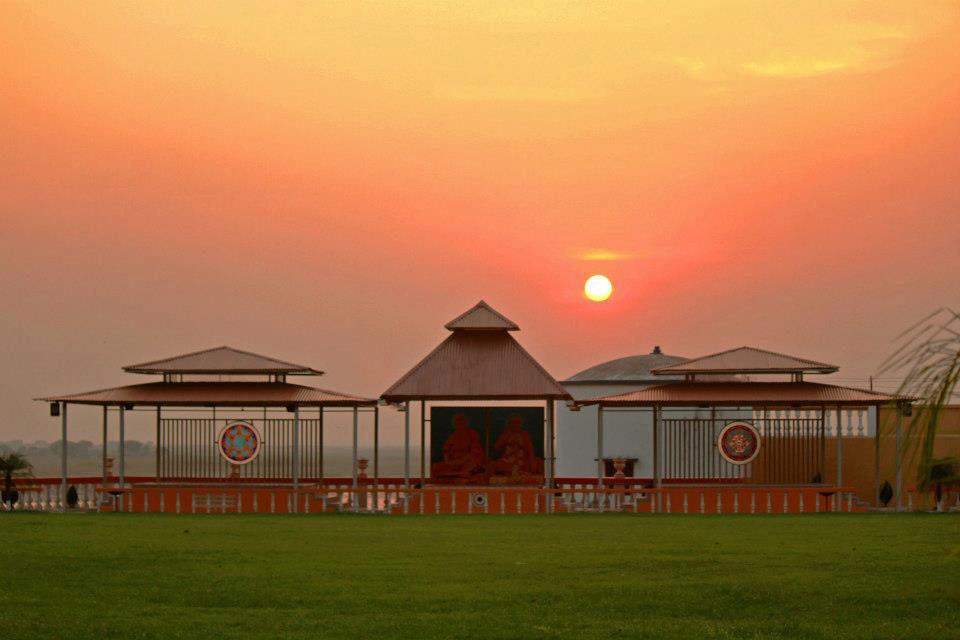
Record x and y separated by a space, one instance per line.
626 434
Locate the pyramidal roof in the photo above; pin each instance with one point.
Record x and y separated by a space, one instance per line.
480 360
482 317
747 360
222 360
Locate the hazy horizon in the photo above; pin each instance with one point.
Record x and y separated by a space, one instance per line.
331 184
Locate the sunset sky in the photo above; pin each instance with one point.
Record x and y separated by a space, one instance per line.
331 182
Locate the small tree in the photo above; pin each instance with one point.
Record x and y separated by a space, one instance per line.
886 493
939 474
12 466
72 497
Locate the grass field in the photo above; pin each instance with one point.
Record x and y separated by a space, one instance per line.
588 576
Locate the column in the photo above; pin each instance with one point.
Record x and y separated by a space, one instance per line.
552 459
656 456
320 446
355 447
423 443
63 457
295 462
376 445
123 455
406 444
600 469
551 441
899 455
103 457
839 501
876 453
158 445
353 499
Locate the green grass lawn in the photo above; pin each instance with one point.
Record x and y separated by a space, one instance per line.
575 576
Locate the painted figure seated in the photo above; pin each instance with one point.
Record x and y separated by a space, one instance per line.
517 462
464 460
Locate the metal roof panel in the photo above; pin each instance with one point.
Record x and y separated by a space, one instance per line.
745 394
221 360
207 394
747 360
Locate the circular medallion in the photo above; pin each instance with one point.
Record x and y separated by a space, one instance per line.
239 442
739 442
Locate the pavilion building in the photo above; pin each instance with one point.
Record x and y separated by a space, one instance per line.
740 430
221 415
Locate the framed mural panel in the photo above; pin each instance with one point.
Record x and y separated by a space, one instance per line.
486 445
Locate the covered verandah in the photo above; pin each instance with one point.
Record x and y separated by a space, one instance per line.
252 442
748 446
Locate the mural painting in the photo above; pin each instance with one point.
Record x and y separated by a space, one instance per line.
486 445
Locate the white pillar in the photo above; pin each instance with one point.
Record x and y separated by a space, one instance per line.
551 441
600 468
355 452
551 458
406 444
320 437
839 447
874 417
295 462
63 457
376 445
103 457
656 456
899 455
353 498
123 455
423 443
158 445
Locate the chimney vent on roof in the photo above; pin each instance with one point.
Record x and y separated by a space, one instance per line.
656 350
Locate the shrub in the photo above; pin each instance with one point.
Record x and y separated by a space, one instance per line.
72 498
886 493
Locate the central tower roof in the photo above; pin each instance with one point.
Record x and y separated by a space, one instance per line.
479 360
482 317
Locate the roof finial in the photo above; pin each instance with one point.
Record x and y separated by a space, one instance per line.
656 350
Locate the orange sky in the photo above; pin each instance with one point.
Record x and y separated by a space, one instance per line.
331 185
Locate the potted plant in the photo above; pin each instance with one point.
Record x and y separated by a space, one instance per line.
13 465
937 475
72 498
886 493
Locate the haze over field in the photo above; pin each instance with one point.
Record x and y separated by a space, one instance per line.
331 184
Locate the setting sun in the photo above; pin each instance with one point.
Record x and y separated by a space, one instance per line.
598 288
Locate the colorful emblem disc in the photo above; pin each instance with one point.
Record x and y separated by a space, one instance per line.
239 442
739 442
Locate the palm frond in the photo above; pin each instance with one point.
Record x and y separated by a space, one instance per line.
928 357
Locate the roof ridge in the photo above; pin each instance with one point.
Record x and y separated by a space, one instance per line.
694 361
183 355
158 362
786 355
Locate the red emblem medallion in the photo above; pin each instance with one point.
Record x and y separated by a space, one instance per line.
239 442
739 442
